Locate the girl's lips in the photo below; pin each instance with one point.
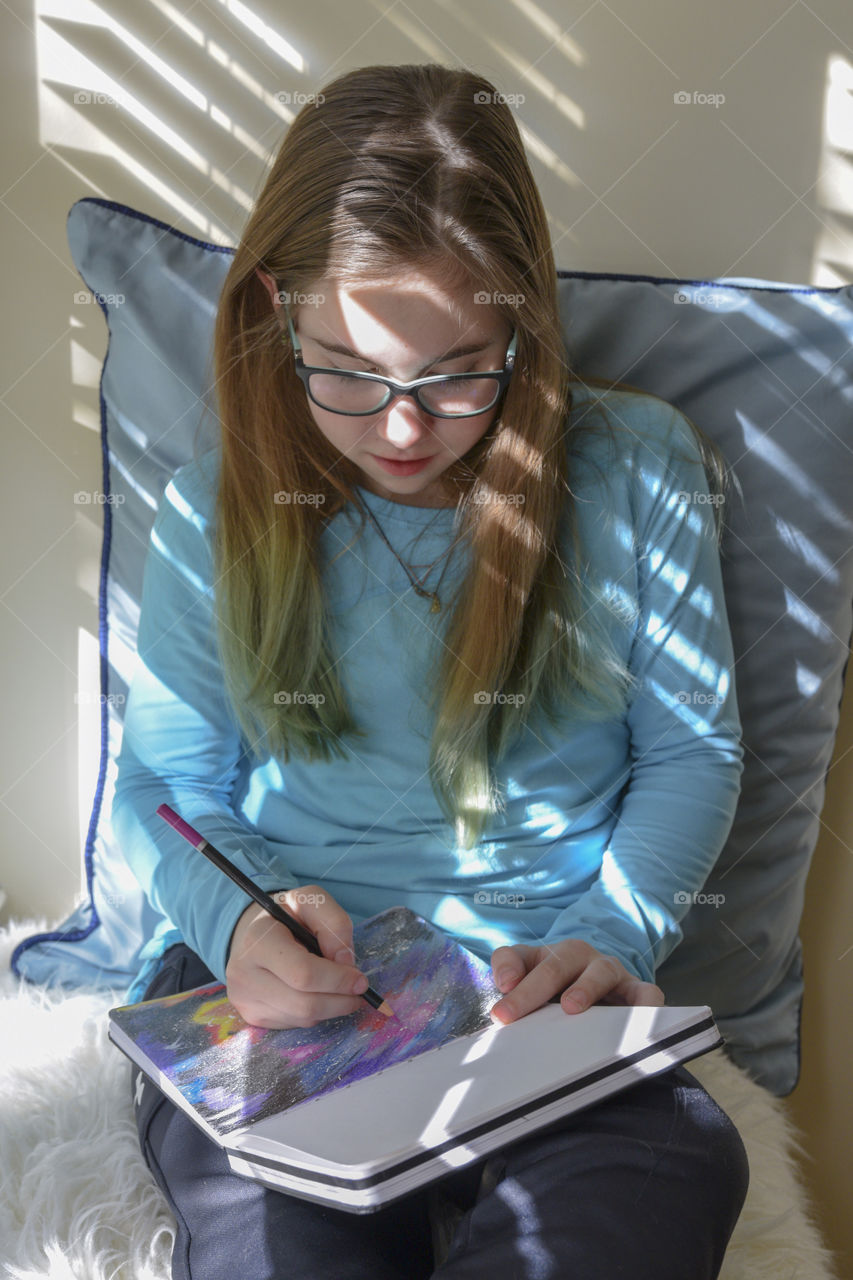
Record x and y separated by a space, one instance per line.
408 468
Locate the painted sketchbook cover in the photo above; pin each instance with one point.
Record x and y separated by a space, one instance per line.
234 1075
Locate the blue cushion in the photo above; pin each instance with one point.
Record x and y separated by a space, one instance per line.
765 369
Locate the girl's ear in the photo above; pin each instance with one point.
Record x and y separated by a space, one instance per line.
270 285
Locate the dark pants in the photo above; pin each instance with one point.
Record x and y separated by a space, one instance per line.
646 1185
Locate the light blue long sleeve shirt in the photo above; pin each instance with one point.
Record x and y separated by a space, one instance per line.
610 827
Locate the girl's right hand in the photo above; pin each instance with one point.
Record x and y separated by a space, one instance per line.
273 981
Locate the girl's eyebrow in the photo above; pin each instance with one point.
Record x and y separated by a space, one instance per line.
456 354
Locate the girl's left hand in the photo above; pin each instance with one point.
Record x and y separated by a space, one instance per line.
583 975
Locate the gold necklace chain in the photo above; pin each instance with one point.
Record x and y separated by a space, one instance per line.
417 584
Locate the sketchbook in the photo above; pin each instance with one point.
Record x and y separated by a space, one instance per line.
363 1109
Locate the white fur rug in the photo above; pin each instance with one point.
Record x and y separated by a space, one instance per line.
78 1203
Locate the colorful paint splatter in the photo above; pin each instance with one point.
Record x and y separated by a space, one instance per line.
235 1074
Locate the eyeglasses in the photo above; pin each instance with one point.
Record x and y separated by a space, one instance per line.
454 395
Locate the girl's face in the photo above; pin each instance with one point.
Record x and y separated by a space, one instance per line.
402 329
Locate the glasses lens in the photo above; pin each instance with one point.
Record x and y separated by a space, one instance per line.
461 397
458 396
346 395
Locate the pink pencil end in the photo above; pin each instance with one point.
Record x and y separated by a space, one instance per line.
184 829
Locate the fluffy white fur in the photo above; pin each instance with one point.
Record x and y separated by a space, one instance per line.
78 1203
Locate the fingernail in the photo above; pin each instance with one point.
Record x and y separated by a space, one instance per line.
360 985
345 956
503 976
574 1001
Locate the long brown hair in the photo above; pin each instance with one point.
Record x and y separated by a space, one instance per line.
394 167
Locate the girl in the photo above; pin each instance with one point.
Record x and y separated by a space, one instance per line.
436 624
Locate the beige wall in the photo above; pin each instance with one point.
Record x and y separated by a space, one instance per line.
760 185
820 1103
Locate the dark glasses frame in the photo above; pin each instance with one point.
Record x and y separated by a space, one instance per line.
394 389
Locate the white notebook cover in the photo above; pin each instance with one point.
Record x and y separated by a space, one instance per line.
367 1144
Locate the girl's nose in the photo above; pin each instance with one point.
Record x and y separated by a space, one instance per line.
402 424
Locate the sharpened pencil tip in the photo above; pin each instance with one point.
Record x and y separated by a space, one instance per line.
387 1010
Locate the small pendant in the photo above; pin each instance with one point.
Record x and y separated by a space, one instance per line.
435 607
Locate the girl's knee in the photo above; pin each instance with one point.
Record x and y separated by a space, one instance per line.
713 1135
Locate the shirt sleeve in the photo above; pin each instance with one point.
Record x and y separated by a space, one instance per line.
686 758
181 745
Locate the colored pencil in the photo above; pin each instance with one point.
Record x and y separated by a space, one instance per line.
303 935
